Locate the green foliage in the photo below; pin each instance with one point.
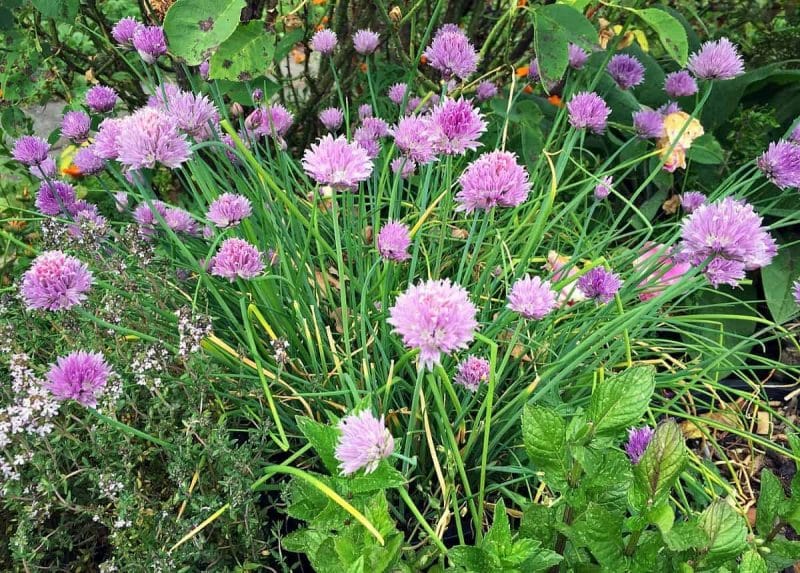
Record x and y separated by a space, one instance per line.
670 32
194 27
246 54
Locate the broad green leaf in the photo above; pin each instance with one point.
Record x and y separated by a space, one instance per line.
771 500
726 530
752 562
305 501
537 523
499 535
194 27
303 541
544 435
550 45
470 558
783 554
323 438
600 531
685 535
577 4
574 24
662 516
621 400
384 477
778 278
706 150
245 55
60 10
661 464
670 31
543 560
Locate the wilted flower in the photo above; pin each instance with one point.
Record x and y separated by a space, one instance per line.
638 440
237 258
150 42
123 31
229 209
79 376
55 198
485 90
626 70
324 42
667 270
471 372
456 126
603 188
150 137
532 297
495 179
600 284
577 56
730 235
780 163
691 200
75 126
404 166
364 111
87 162
393 241
331 118
569 293
337 163
101 99
366 41
105 140
673 126
412 136
451 53
364 442
397 92
55 281
648 123
435 316
718 60
587 110
30 150
680 84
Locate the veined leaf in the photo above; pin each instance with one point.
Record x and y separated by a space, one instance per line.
194 27
670 31
621 400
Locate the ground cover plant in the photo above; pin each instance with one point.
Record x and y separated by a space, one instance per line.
454 308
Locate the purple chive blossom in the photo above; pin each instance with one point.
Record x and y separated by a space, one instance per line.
203 69
495 179
366 41
404 166
456 126
55 198
150 42
638 440
796 291
626 70
780 163
603 188
229 209
691 201
680 84
105 140
397 92
393 241
532 297
237 258
194 114
376 127
89 219
413 104
533 70
331 118
75 126
145 216
181 221
257 95
149 137
87 162
101 99
413 138
121 201
648 124
669 108
79 376
436 317
600 284
123 31
366 139
718 60
30 150
664 269
485 90
274 120
452 54
364 111
577 56
471 372
45 170
587 110
55 281
730 234
795 136
337 163
364 442
324 42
